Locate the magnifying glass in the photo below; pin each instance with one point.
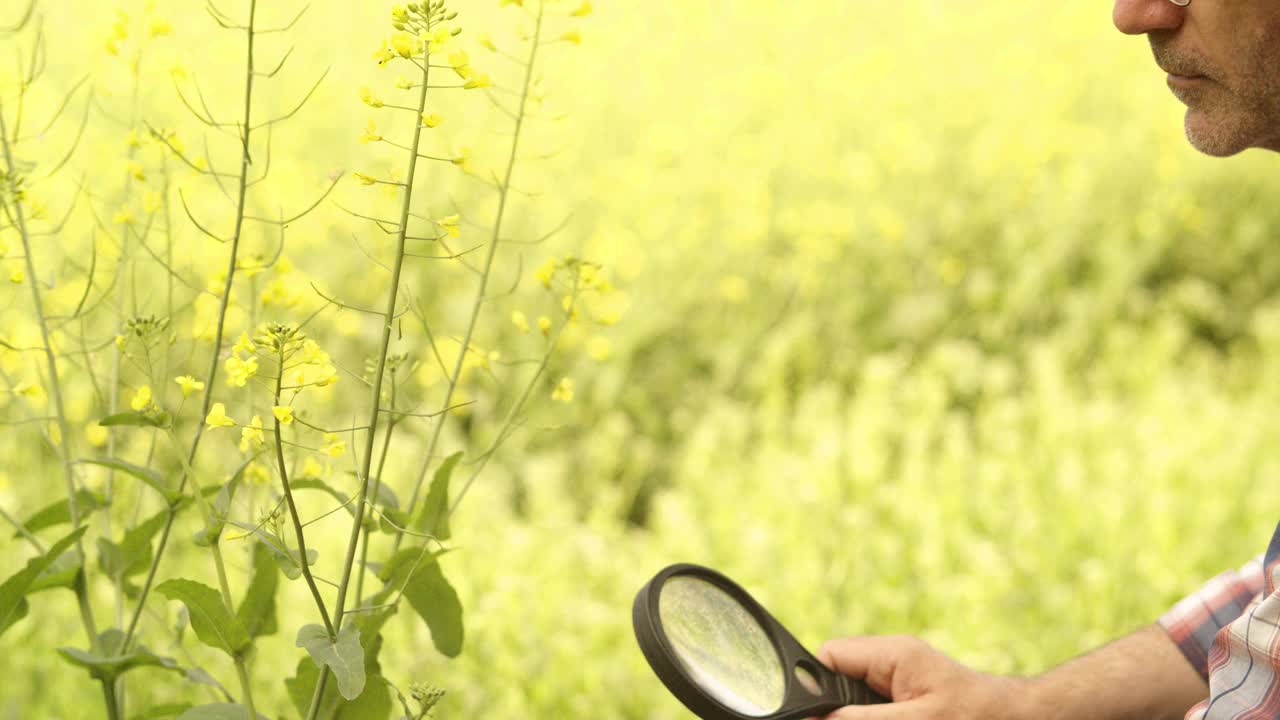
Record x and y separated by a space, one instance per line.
726 658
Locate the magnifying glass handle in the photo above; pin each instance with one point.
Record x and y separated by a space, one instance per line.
857 692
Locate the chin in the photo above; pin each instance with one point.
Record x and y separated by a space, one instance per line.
1217 137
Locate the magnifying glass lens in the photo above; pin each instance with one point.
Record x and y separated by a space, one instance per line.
721 647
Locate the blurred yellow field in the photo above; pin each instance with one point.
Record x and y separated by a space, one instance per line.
913 317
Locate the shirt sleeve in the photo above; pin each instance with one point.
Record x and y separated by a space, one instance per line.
1194 621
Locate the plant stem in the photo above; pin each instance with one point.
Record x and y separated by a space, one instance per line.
503 192
212 373
51 361
109 697
293 509
377 485
375 410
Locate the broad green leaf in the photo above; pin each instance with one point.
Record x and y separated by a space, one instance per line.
287 559
12 591
218 711
433 518
59 513
61 573
209 617
221 505
162 712
372 704
430 594
344 657
146 475
109 663
132 556
137 419
257 611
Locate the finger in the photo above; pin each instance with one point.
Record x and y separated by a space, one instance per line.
909 710
873 658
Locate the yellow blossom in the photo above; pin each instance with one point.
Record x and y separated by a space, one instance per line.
368 98
136 170
251 434
189 385
599 348
544 324
463 159
132 139
431 119
450 225
257 474
400 13
123 216
563 391
160 28
403 82
573 36
96 434
520 321
437 40
405 44
217 417
240 371
486 43
17 276
311 468
243 345
152 202
479 81
383 54
505 3
364 179
283 413
583 9
370 133
333 445
546 272
141 398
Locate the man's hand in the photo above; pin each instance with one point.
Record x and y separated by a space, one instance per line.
923 683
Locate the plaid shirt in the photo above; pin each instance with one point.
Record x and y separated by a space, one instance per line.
1230 632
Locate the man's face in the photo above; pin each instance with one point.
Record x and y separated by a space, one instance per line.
1224 58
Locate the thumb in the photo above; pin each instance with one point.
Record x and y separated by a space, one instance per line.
874 659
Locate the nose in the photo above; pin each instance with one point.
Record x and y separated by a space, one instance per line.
1138 17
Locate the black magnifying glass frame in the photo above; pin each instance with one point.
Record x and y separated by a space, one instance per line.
798 702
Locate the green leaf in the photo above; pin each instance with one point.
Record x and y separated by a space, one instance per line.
136 419
161 712
61 573
257 611
372 704
221 505
218 711
344 657
13 590
209 617
433 518
146 475
59 513
111 663
132 556
430 594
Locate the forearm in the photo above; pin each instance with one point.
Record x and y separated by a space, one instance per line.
1142 676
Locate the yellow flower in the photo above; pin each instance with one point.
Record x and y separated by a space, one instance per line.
573 36
96 434
367 96
437 40
400 13
486 43
404 43
546 272
311 468
283 413
459 58
160 27
243 345
152 202
17 276
141 398
505 3
370 133
257 474
383 54
251 434
583 9
479 81
544 324
240 371
431 119
333 446
403 82
189 385
217 417
599 348
123 216
463 159
365 179
135 169
450 225
520 321
564 390
132 139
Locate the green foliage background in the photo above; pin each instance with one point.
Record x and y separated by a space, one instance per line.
936 325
